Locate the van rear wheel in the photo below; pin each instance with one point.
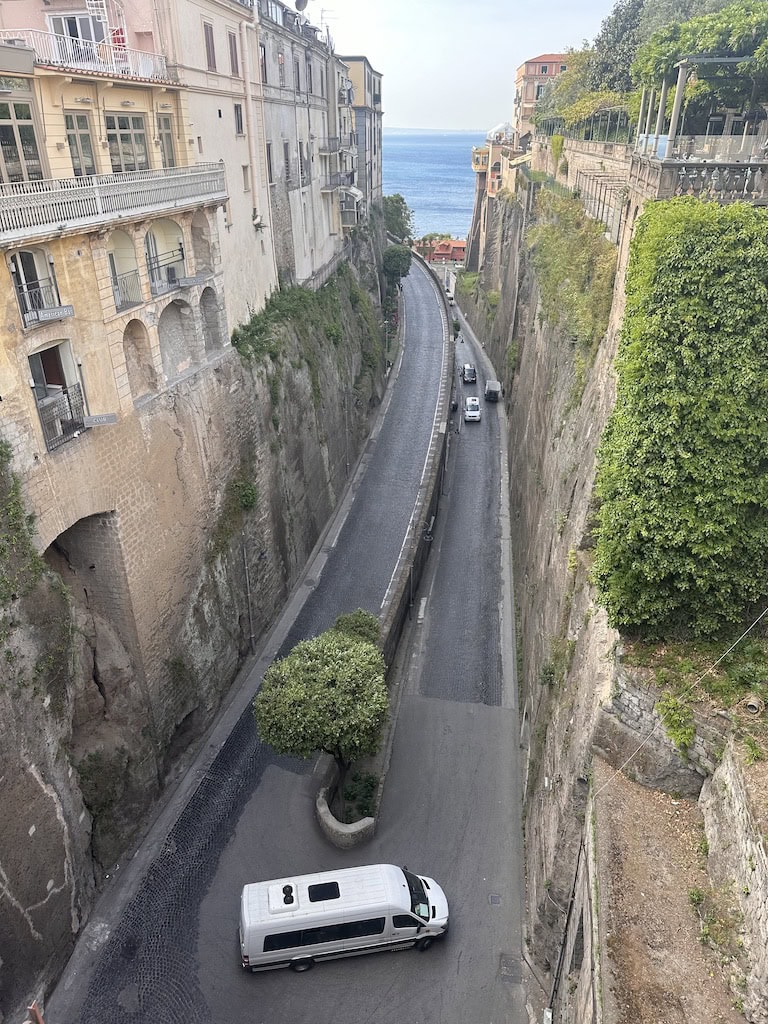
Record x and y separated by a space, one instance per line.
302 965
423 944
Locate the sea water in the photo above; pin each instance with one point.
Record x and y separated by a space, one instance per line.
432 171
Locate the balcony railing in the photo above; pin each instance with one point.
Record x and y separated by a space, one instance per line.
30 209
337 180
331 145
127 290
61 416
166 271
722 149
39 302
87 54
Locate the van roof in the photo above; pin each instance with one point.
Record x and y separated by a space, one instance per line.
314 896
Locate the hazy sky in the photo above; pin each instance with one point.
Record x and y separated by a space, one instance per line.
451 63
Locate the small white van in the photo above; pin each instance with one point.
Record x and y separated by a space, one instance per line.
293 922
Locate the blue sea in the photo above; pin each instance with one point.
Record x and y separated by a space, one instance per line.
432 170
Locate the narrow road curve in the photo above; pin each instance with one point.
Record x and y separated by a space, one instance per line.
171 950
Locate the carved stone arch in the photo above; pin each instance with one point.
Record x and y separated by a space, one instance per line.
176 332
211 320
137 350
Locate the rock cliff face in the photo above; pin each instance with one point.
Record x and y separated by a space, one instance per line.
576 697
226 481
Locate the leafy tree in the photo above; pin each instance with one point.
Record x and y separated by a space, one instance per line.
658 14
328 694
738 30
615 47
397 262
360 624
398 216
682 472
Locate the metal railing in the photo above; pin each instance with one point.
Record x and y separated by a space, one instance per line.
35 208
40 301
723 149
87 54
330 145
127 289
61 416
337 180
165 270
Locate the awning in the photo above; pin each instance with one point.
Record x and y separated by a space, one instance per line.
356 194
524 159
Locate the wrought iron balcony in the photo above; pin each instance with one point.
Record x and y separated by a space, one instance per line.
61 416
328 146
57 206
166 271
39 302
127 290
338 180
84 55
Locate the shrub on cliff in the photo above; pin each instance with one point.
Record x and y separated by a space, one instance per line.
682 543
575 267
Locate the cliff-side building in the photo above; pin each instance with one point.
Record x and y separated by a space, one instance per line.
366 89
531 80
309 145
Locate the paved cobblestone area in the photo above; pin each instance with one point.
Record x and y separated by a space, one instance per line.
146 971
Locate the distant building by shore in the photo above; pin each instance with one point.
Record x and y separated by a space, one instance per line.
441 250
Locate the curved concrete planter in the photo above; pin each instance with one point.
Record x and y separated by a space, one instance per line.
341 835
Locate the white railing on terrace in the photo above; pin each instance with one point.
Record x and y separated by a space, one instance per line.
30 208
87 54
719 148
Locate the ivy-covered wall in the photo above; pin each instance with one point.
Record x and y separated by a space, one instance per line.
683 479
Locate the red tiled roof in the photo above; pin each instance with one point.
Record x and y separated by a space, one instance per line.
548 57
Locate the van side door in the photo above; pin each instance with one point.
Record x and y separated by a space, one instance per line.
406 927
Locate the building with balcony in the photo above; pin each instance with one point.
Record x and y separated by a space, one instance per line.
366 101
531 81
113 313
491 163
309 143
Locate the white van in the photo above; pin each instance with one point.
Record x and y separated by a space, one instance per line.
292 922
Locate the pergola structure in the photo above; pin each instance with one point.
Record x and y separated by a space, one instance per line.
668 145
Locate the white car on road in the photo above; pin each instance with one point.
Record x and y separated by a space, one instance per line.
471 410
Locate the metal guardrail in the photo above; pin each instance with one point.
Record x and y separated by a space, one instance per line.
88 54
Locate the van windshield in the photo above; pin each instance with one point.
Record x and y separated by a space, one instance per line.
419 902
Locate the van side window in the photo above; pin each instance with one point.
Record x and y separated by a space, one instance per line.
282 941
404 921
323 891
324 933
355 929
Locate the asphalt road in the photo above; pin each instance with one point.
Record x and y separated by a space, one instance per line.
450 806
